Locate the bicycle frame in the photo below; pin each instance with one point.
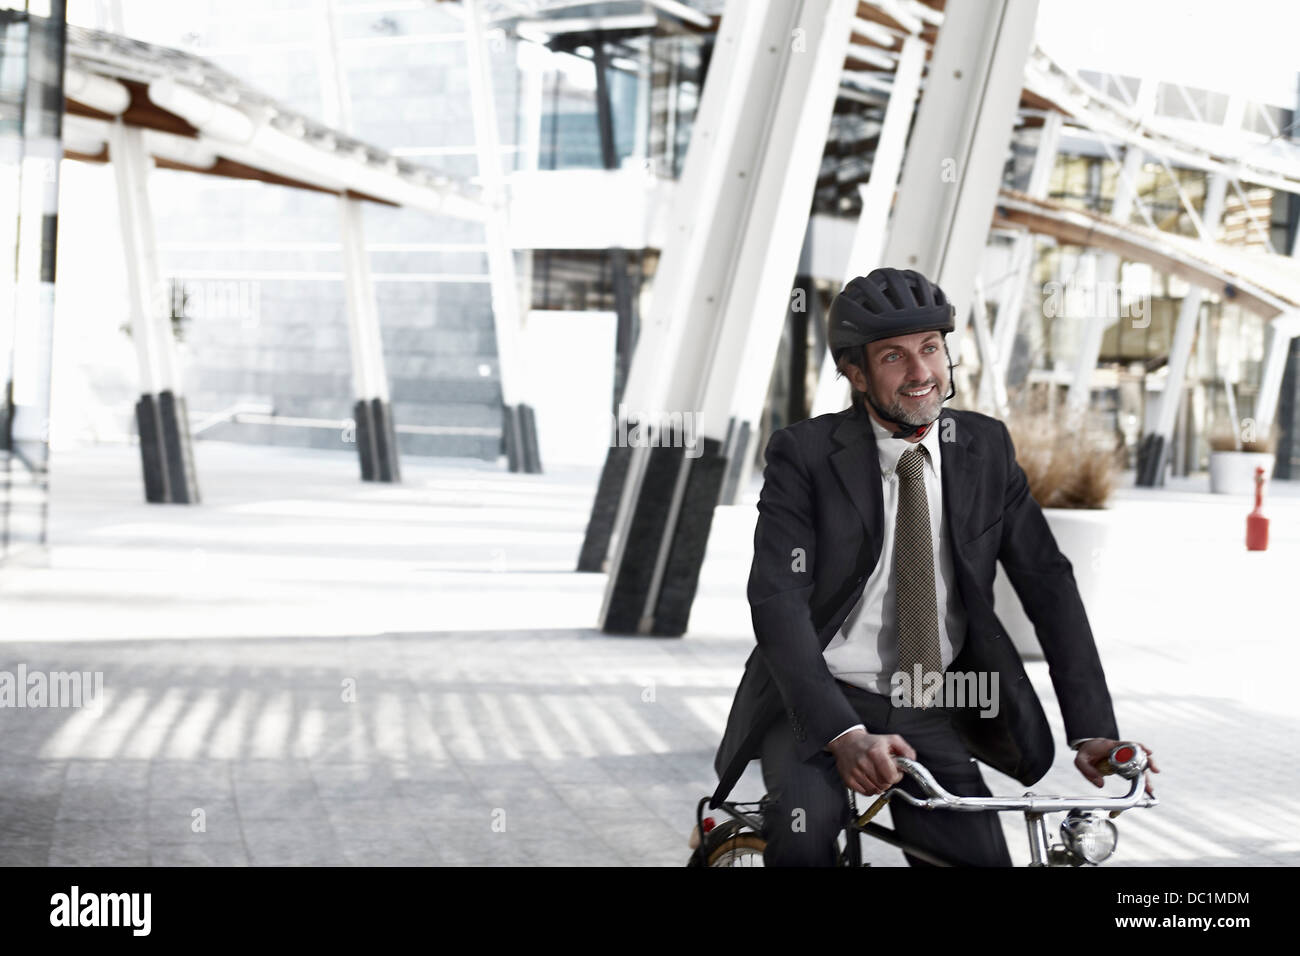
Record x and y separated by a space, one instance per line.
1131 764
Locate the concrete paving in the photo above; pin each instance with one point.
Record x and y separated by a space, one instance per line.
307 669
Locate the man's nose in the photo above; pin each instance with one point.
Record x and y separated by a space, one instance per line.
917 370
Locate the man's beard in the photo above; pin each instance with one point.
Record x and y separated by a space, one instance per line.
917 413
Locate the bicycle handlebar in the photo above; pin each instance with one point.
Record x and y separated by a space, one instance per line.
939 797
1128 760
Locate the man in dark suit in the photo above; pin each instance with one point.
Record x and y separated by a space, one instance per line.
875 552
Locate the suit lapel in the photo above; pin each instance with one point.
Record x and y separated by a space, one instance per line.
858 468
962 471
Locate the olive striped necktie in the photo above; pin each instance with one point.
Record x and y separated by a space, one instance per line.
918 619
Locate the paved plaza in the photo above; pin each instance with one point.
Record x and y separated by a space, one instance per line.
309 669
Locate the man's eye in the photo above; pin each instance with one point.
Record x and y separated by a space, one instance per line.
891 356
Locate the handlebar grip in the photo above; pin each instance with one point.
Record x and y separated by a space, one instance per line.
1126 759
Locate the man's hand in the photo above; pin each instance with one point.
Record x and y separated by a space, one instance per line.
866 761
1094 751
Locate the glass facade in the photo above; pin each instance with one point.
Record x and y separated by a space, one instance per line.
256 273
260 267
1228 347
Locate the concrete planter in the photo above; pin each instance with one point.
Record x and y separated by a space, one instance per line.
1081 534
1233 472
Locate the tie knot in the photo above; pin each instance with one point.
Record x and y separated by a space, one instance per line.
911 463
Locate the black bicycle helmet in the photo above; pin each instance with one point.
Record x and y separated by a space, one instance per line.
886 303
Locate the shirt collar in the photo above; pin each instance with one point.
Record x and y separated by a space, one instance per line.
890 449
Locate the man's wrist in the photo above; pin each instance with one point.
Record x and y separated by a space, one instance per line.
849 731
1078 742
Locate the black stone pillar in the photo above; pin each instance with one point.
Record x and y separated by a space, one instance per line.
519 438
166 449
376 441
595 544
666 539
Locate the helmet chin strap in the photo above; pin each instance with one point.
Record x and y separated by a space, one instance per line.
906 430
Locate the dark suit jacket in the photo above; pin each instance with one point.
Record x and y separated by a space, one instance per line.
821 492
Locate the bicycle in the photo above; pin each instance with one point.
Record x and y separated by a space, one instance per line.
1086 838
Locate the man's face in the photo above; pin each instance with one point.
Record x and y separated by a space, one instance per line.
909 376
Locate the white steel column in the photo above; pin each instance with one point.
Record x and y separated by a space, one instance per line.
993 389
1107 284
1024 250
368 376
1108 270
139 282
877 197
1151 468
521 441
1184 332
721 292
375 430
530 60
954 162
706 200
644 81
756 303
150 325
1281 331
162 420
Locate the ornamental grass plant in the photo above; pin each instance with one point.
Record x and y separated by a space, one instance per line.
1067 464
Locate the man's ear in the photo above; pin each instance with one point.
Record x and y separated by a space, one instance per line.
861 367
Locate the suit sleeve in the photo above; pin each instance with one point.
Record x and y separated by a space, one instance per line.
779 591
1043 579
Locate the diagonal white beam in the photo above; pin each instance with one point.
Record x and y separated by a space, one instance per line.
1108 267
958 148
1011 295
506 314
877 197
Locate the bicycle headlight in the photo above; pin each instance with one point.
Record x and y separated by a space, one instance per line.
1090 838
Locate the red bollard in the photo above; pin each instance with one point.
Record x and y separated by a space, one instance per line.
1256 523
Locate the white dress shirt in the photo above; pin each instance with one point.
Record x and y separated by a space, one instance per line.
865 650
